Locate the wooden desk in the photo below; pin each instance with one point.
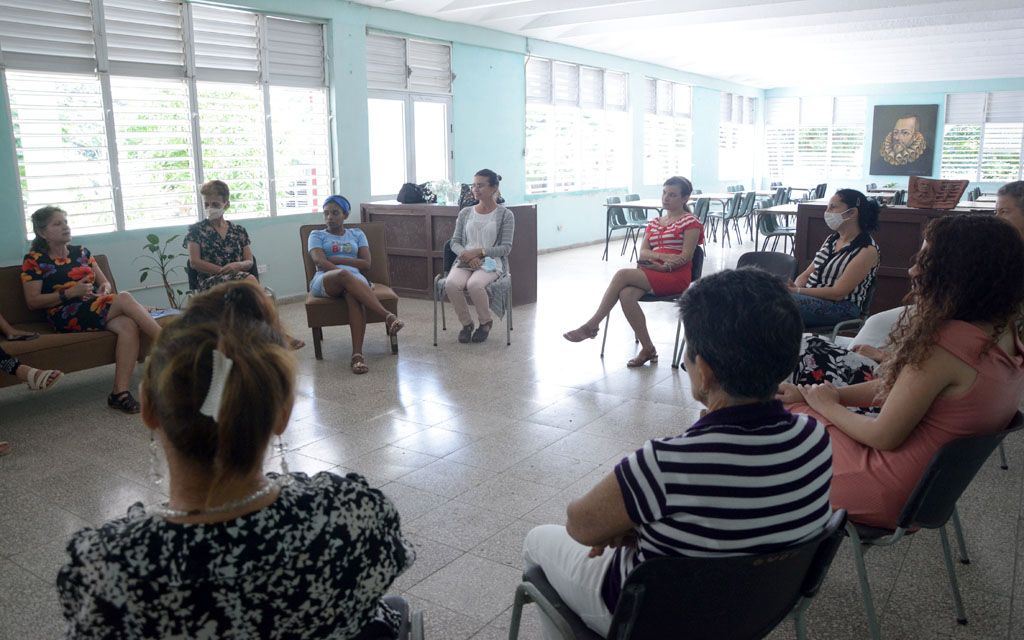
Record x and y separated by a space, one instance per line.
899 235
416 234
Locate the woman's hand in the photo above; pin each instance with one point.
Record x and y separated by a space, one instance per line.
672 260
789 393
475 263
469 254
229 268
868 351
791 286
81 289
625 540
821 397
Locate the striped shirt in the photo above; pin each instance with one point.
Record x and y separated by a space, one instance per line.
669 238
747 479
830 264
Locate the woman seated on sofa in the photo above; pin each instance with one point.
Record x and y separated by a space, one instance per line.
234 553
835 285
689 494
664 267
340 255
63 278
957 369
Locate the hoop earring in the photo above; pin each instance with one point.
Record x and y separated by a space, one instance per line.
154 464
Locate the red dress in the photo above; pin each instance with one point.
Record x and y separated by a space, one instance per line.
872 485
669 239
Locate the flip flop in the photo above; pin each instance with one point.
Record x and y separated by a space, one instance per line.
394 326
295 344
358 364
39 379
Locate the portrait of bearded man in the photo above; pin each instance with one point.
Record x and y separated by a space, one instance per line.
905 149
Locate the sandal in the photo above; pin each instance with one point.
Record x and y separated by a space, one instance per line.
358 364
5 448
43 379
394 326
466 334
481 334
579 335
642 359
124 401
295 344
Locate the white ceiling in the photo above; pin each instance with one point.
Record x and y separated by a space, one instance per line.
770 43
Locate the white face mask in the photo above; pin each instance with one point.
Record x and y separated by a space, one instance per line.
214 214
835 220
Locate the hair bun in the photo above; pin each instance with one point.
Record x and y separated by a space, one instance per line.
499 177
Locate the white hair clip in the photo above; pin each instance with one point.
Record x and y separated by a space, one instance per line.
218 380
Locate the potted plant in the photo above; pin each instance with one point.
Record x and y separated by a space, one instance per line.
162 259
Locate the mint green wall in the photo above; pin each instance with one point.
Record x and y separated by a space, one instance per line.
903 93
488 112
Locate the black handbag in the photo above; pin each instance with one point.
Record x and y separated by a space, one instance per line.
416 193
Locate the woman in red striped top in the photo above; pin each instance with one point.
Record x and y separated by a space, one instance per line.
663 269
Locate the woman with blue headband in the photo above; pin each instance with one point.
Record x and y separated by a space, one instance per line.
340 255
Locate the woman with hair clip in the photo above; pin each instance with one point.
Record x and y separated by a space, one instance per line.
834 287
482 231
234 552
957 368
664 268
340 255
64 279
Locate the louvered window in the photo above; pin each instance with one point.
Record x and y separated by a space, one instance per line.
667 130
577 128
984 136
736 137
410 103
105 118
813 139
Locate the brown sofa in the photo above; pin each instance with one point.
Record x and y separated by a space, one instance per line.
65 351
332 312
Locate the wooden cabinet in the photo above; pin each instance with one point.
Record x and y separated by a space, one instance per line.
416 234
899 236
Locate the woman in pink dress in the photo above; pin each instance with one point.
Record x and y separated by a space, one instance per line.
663 268
957 369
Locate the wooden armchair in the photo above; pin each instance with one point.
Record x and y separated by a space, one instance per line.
333 312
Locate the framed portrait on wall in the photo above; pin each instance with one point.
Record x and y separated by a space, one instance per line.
903 139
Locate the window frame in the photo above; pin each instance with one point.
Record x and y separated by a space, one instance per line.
677 115
797 120
983 110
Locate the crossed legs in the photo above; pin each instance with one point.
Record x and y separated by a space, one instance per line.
626 288
360 299
126 317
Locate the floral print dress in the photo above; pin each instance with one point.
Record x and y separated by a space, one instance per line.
218 250
58 274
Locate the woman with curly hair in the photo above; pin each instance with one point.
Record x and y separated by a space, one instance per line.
957 369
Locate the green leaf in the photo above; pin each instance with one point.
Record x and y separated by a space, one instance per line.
152 249
145 274
153 238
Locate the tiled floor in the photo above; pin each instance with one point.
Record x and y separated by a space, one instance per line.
475 444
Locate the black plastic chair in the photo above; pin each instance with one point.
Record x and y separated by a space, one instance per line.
931 505
900 197
439 294
695 272
779 264
743 596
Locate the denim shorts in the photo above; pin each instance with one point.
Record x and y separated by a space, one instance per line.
316 285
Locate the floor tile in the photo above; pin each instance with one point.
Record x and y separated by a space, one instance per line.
472 586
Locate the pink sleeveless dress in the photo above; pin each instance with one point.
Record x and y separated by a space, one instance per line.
873 485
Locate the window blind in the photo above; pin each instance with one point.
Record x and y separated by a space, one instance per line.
295 53
430 67
538 80
681 99
144 38
984 136
47 35
226 44
591 87
965 108
385 62
566 83
615 91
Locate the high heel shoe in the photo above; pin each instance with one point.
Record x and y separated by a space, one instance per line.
643 359
579 335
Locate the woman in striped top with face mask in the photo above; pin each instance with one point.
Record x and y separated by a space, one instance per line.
834 287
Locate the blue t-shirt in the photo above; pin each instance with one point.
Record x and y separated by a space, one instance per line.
343 246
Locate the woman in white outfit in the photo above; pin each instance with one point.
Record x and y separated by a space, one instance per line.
482 231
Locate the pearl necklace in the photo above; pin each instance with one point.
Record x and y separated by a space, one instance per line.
166 512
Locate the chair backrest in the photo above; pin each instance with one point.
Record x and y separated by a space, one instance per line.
780 264
948 474
697 192
780 194
733 207
971 196
376 237
449 256
742 596
701 209
635 214
698 263
740 187
819 191
747 206
618 213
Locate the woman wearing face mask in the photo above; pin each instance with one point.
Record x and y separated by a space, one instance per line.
836 283
217 249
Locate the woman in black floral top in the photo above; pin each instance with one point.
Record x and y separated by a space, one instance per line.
64 279
234 553
218 249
